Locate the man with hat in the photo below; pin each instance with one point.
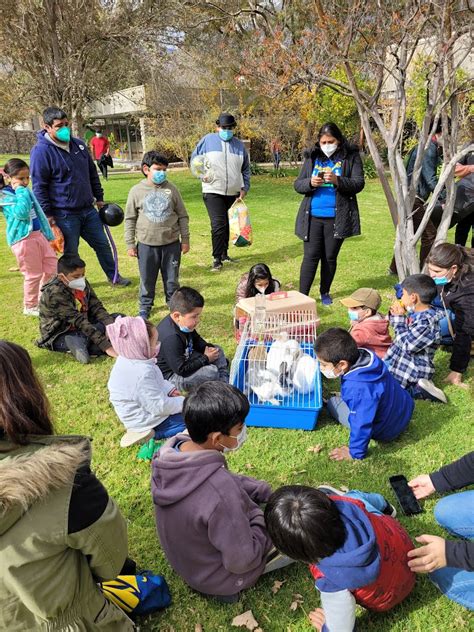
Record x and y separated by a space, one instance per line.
368 328
227 178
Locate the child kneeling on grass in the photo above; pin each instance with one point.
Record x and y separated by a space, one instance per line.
146 403
185 358
209 522
71 317
356 550
372 403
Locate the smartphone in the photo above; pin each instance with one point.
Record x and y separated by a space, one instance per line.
405 495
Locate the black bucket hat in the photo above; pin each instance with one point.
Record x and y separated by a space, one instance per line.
226 120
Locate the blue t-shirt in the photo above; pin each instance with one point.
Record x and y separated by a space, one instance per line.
323 200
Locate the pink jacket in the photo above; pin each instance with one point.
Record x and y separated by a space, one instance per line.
372 333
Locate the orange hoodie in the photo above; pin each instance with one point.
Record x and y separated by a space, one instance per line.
372 333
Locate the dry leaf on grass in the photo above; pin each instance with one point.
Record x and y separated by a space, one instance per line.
249 466
198 627
277 585
246 620
315 448
297 601
296 472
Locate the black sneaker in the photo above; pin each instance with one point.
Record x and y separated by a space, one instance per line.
120 282
78 348
389 509
227 259
429 391
216 265
329 490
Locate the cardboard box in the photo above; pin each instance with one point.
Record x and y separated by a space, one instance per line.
279 303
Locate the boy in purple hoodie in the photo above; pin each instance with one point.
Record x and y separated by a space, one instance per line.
209 522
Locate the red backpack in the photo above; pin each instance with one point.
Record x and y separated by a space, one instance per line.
395 580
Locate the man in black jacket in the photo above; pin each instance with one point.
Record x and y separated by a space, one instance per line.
450 562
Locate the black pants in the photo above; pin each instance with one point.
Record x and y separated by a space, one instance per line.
59 343
103 167
463 228
321 246
152 259
217 207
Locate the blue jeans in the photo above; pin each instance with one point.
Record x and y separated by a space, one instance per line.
339 410
456 514
170 426
86 224
374 503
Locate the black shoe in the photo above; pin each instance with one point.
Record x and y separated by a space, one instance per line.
389 510
227 259
216 265
121 281
78 348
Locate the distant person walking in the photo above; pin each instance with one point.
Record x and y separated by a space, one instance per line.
275 148
67 186
100 147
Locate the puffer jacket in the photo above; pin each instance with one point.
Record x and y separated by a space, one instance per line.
17 214
58 314
60 533
351 182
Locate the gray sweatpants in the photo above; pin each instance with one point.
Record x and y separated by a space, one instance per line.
152 259
217 371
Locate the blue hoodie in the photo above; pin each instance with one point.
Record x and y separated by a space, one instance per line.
64 181
379 407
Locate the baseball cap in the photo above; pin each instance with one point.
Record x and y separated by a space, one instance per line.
226 119
363 296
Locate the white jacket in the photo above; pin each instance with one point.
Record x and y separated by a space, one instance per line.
139 394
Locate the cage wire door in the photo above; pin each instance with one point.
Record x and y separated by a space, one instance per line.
275 366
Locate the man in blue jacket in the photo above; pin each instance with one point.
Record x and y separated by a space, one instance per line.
372 404
66 183
227 178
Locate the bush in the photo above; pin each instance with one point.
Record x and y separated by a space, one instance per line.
256 169
369 168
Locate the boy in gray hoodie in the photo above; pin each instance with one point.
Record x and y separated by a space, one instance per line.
209 522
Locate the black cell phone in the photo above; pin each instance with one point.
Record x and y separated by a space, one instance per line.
405 495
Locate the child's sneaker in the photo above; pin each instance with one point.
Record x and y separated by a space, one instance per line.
216 265
329 490
326 299
429 391
31 311
227 259
78 348
132 437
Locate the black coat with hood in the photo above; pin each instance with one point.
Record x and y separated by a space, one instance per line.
351 182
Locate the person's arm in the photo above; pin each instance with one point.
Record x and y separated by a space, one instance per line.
258 491
429 166
302 183
172 351
97 310
246 170
97 189
130 224
436 553
200 148
92 519
362 404
240 292
40 171
107 147
350 185
413 338
240 537
460 554
463 170
199 344
156 401
339 611
23 203
183 217
455 475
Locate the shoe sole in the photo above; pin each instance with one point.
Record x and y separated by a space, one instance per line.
331 489
433 393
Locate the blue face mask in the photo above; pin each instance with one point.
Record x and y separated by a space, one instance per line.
353 315
185 330
225 134
441 280
158 177
410 309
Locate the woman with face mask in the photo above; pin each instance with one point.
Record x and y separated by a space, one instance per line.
331 176
451 268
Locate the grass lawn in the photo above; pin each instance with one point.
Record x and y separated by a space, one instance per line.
437 434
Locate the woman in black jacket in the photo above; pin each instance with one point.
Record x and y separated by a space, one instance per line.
330 177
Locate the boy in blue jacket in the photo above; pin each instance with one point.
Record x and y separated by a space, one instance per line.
372 404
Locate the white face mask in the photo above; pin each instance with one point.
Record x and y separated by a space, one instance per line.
241 438
329 374
78 284
260 289
329 148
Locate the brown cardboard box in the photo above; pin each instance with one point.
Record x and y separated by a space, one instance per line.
280 303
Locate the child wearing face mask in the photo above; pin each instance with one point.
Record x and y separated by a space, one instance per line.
417 336
258 280
209 521
71 317
156 230
368 328
28 232
372 404
146 403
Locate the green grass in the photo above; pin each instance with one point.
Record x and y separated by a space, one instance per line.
437 434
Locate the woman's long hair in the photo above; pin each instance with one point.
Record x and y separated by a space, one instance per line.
448 255
259 272
24 407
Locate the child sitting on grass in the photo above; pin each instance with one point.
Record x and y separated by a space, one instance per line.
210 525
357 551
368 328
71 317
372 403
417 336
186 359
146 403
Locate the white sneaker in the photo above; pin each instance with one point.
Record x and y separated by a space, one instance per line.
132 437
31 311
432 392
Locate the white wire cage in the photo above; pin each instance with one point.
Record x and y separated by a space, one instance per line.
275 366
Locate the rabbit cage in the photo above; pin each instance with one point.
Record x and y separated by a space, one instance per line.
275 366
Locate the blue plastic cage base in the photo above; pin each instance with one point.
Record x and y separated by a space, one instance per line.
280 417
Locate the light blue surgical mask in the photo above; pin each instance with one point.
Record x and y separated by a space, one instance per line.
185 330
441 280
225 134
353 315
158 177
410 309
63 134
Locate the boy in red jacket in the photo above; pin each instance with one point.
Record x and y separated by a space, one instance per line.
368 328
